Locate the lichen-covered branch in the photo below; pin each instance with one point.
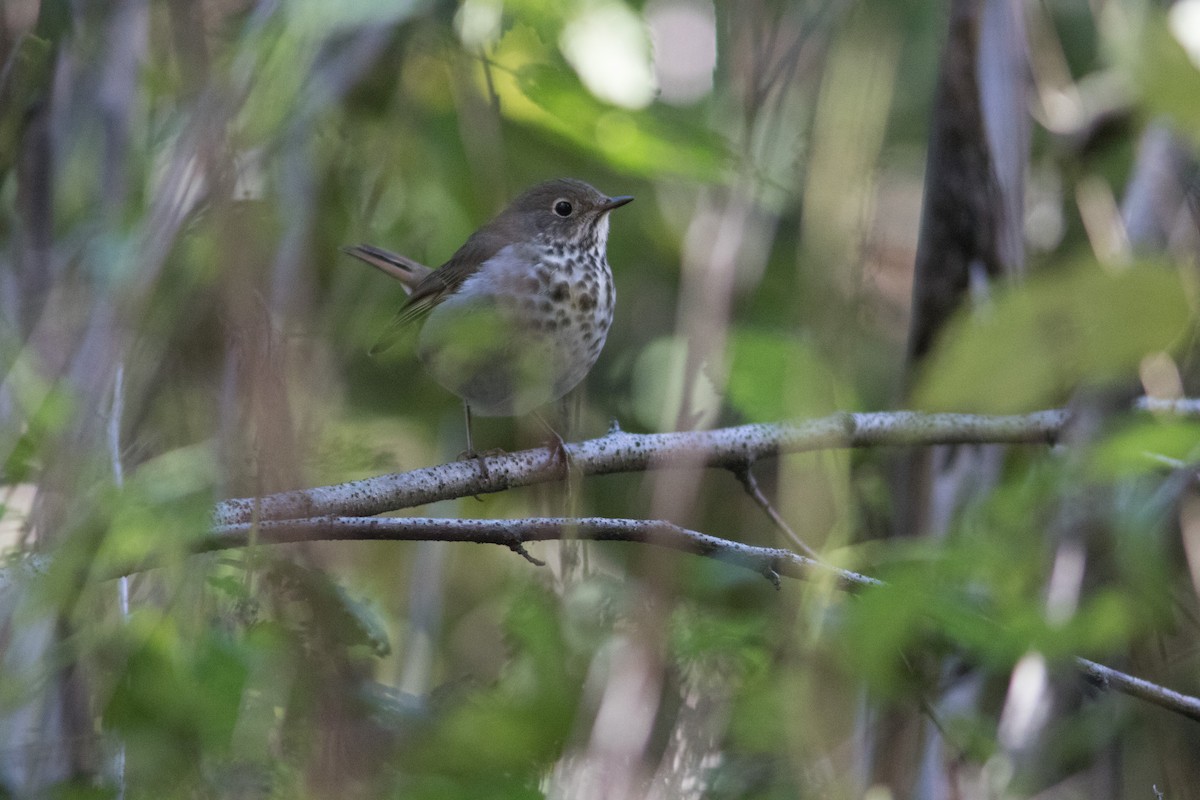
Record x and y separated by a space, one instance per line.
618 451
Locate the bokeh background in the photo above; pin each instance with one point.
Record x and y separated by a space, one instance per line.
177 326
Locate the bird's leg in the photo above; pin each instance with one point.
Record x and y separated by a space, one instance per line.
471 452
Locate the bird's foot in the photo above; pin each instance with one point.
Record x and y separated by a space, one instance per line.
480 458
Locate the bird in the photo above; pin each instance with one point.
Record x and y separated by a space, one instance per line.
517 317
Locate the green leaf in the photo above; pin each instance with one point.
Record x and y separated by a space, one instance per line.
651 143
773 377
1145 446
1039 342
519 726
660 375
176 688
1167 80
536 87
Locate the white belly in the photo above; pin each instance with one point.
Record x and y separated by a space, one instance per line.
512 339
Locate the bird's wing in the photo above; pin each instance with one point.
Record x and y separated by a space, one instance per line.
407 271
440 284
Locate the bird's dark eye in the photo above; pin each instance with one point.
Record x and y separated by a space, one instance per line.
563 208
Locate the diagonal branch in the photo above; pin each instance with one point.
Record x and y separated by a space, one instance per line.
1109 678
618 451
746 476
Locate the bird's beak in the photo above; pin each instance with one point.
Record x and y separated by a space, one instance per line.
617 202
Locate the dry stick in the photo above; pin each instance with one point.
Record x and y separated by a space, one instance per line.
618 451
767 561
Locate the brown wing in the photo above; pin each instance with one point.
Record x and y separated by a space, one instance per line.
442 282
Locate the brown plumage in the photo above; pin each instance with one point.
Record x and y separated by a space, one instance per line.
517 316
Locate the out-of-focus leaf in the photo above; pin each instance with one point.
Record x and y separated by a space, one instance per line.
652 143
758 721
163 507
590 608
284 61
882 624
1145 446
177 688
740 641
337 617
176 474
1166 78
1039 342
519 726
472 787
659 375
52 412
608 45
534 629
537 88
774 377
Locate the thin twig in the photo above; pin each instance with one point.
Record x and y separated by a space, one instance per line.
1109 678
750 483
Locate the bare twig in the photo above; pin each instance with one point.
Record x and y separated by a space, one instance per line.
750 483
618 451
1109 678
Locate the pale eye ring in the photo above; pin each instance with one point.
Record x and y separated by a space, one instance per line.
563 208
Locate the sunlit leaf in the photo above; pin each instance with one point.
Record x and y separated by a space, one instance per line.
1168 81
1044 339
537 88
650 143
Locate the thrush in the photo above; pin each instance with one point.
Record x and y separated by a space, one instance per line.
517 317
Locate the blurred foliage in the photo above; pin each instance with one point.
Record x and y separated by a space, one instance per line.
176 179
1058 332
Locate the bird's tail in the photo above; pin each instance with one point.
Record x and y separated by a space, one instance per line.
405 270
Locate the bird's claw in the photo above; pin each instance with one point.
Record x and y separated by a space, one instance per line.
480 458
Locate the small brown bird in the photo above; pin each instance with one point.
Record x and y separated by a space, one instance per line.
517 317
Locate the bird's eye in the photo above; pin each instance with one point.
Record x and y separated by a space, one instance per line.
563 208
